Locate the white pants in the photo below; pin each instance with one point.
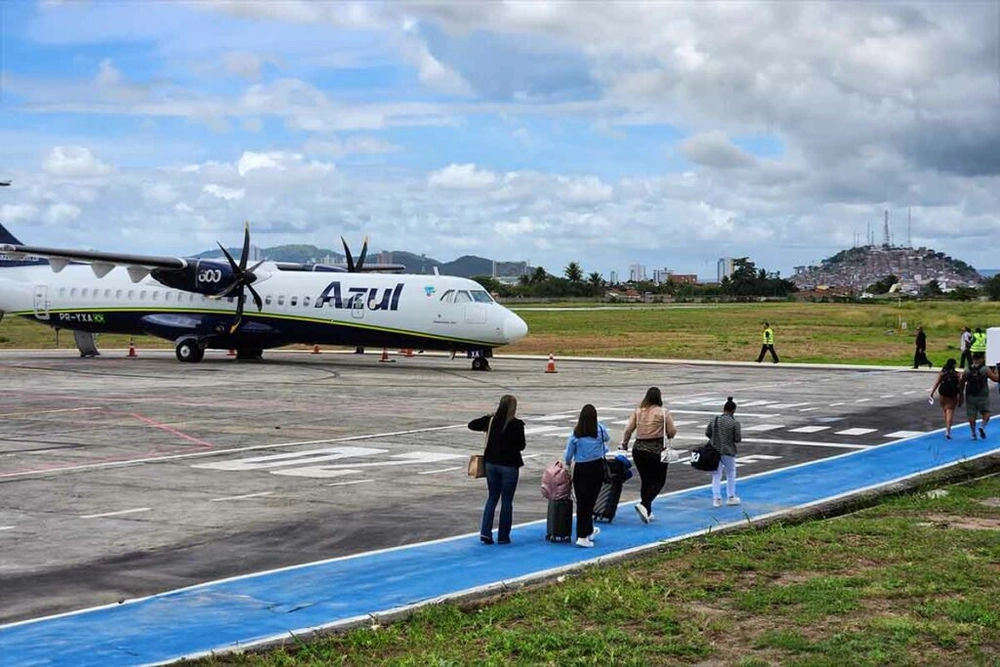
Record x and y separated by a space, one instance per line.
727 464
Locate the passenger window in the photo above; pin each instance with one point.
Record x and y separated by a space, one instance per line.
156 295
62 291
448 296
462 297
83 292
281 299
142 295
118 294
267 300
72 292
107 294
305 301
293 300
131 294
166 296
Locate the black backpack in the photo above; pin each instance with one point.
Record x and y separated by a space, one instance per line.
975 380
949 384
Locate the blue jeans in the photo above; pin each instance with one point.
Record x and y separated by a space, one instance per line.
502 483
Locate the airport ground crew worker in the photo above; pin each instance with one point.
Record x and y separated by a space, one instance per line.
768 345
978 342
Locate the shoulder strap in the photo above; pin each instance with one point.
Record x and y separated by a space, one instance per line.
486 440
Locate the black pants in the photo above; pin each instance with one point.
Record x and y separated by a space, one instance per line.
764 349
587 480
966 357
652 474
920 359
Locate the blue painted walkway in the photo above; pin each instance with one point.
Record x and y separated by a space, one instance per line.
254 608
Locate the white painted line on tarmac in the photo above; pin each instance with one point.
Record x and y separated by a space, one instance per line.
550 418
764 427
118 513
434 472
535 430
833 405
904 434
807 443
862 400
12 415
808 409
808 429
715 412
246 495
855 431
786 406
907 393
7 528
355 481
888 396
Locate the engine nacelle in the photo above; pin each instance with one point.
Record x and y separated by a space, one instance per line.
203 276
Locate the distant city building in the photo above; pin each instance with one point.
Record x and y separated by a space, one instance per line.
256 253
637 273
614 278
725 268
660 276
684 278
384 257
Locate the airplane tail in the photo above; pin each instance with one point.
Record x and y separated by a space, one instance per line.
7 238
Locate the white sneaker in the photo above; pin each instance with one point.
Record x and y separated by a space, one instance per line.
717 502
651 517
641 511
584 542
733 500
597 531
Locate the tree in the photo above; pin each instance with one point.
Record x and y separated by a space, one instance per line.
883 286
991 288
596 283
573 272
539 276
931 289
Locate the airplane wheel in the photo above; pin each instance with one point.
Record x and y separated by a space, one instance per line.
480 364
190 351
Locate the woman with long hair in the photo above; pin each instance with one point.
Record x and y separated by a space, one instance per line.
504 444
948 387
650 421
586 447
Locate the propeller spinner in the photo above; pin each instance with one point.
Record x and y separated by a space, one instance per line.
242 278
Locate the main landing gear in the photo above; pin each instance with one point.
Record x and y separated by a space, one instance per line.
480 364
189 350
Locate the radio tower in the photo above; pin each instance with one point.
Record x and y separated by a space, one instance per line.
886 241
909 220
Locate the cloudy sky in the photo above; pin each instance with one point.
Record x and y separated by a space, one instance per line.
663 133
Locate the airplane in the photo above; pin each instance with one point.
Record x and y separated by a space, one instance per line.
5 184
199 303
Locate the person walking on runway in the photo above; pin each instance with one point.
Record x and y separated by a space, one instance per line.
768 345
920 352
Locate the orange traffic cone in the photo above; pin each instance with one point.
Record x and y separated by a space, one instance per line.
131 349
315 349
551 368
385 355
406 351
231 353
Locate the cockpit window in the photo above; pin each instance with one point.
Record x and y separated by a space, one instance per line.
448 296
462 296
481 296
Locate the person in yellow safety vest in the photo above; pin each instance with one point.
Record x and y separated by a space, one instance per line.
768 345
978 342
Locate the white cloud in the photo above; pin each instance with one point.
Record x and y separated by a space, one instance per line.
584 191
222 192
273 160
355 145
60 214
18 213
714 149
74 162
462 177
108 74
161 193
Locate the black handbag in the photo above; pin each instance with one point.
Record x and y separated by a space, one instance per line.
707 457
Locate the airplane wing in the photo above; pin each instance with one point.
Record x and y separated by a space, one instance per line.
338 268
101 263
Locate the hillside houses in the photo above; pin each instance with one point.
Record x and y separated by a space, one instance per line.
858 268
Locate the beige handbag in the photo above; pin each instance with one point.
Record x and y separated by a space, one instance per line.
477 462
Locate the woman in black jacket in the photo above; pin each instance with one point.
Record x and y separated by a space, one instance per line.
504 444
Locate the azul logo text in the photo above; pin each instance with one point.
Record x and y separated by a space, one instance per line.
360 297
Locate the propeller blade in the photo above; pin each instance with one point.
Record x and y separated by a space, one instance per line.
246 245
364 253
251 277
239 313
233 285
232 262
256 298
347 254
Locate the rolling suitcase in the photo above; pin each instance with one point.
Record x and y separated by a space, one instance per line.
607 501
559 523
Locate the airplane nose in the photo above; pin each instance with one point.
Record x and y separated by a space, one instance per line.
514 328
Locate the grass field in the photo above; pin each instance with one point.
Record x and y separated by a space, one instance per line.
912 581
806 332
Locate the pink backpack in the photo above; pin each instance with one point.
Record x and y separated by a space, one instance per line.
556 482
